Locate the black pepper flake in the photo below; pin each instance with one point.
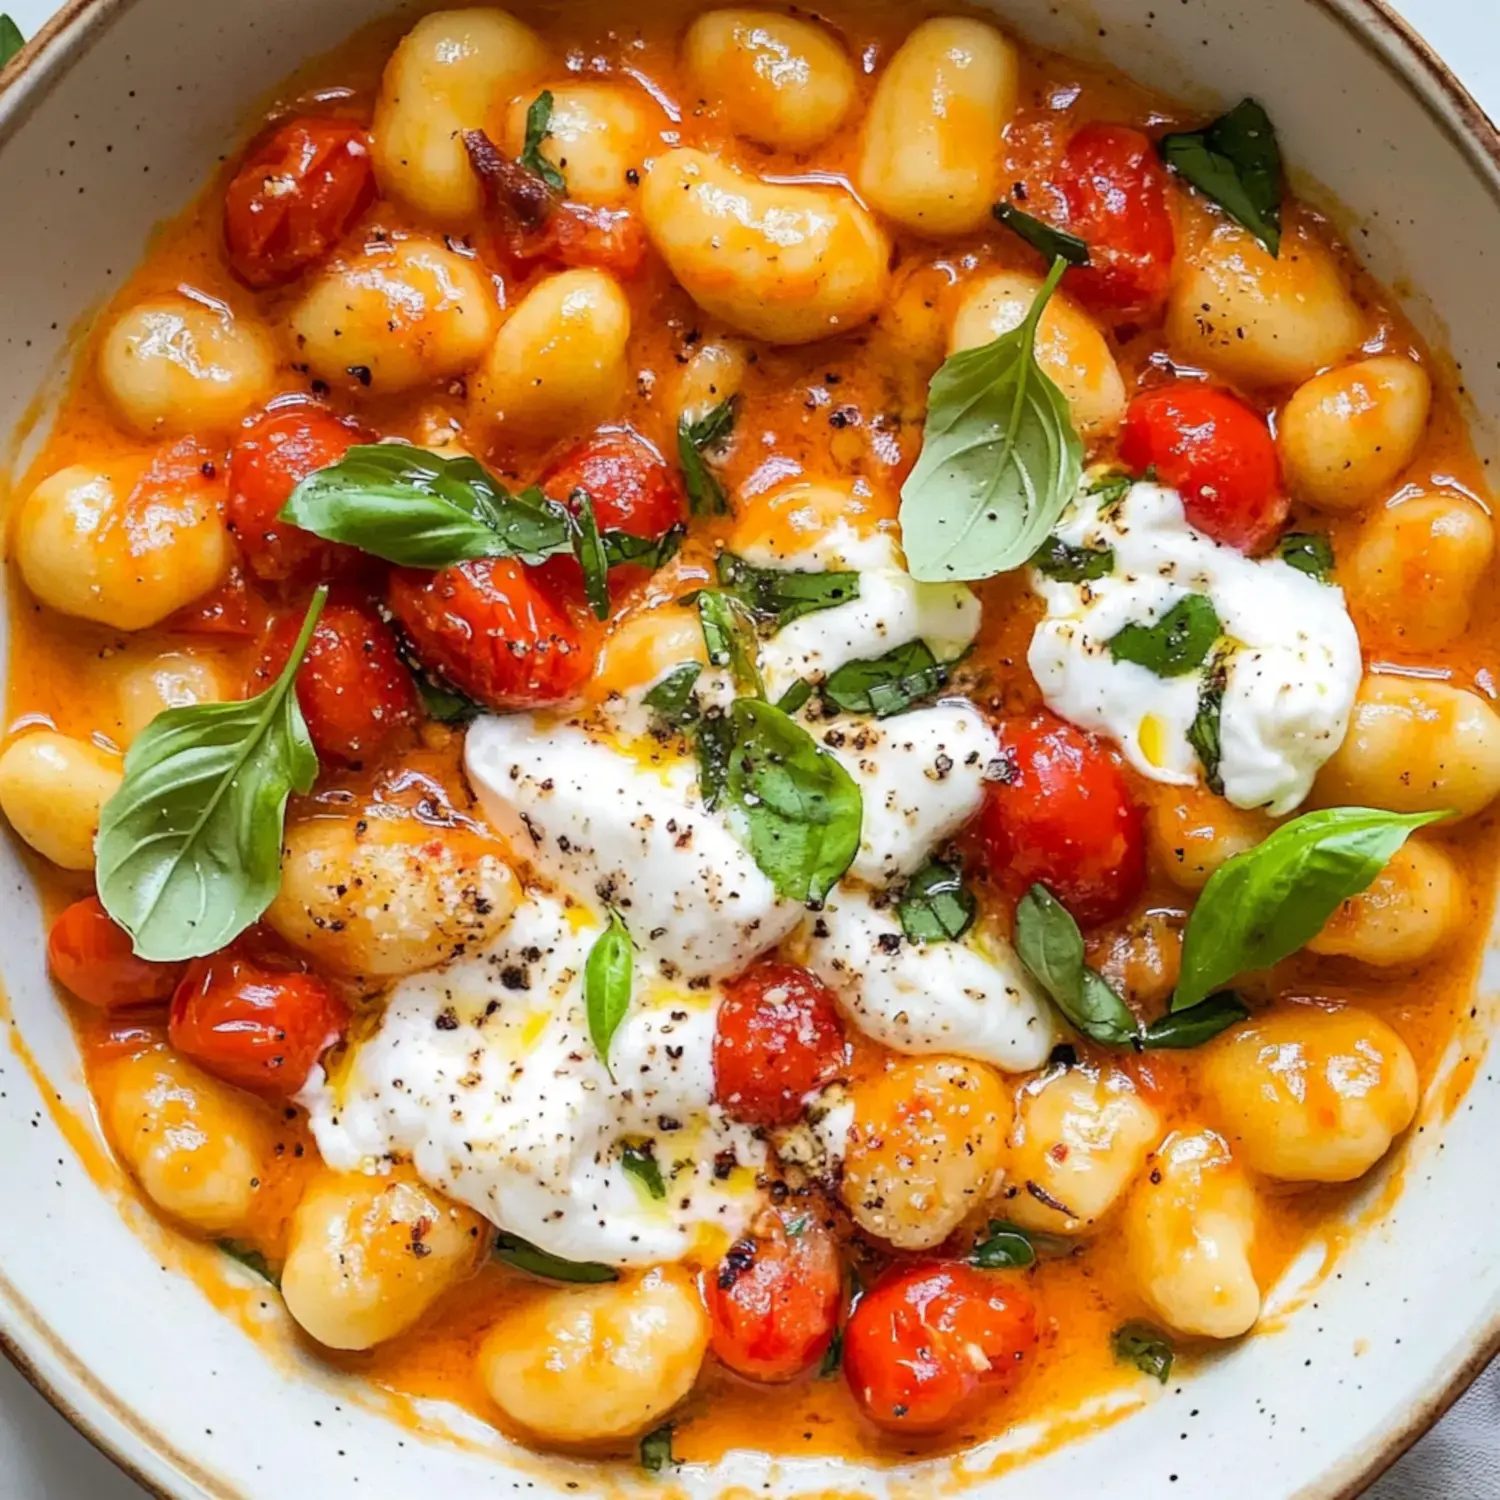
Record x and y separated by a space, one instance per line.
361 373
447 1020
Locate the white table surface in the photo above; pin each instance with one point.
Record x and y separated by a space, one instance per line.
43 1458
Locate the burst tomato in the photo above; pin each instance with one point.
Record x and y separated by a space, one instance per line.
773 1302
928 1341
291 202
779 1037
1062 815
352 688
260 1029
92 957
1217 454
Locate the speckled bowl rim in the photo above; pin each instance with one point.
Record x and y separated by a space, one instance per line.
31 76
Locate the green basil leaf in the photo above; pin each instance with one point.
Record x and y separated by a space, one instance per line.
833 1356
1200 1023
800 808
1146 1347
11 40
794 700
672 700
1236 162
247 1255
538 128
418 510
777 596
936 905
729 634
443 704
889 684
714 744
1264 904
1111 490
641 1164
622 549
1004 1248
1204 734
1055 244
608 974
189 851
1000 459
1308 552
588 547
1049 943
1057 560
525 1256
694 439
656 1449
1177 643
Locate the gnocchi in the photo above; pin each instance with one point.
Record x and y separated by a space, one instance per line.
597 138
52 791
173 679
1414 908
1193 831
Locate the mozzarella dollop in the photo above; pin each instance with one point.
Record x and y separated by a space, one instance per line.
1289 652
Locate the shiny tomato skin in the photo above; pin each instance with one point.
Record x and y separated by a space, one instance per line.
353 690
292 201
92 957
260 1029
1217 453
930 1340
496 631
1062 815
778 1038
276 451
1116 191
773 1301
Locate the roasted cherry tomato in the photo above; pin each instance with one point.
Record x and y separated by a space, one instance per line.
275 453
91 957
1115 188
496 631
1217 454
779 1037
291 202
260 1029
928 1341
352 688
1062 815
773 1302
231 610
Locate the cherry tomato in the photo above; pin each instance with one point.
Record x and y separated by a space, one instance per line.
275 453
1061 814
773 1302
291 202
260 1029
231 610
929 1340
1115 188
779 1037
496 631
1217 454
92 957
352 688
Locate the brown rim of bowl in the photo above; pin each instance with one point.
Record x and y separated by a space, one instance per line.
1401 51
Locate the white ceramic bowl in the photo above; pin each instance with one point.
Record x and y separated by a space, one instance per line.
111 121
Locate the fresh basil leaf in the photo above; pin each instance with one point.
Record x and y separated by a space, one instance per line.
1004 1248
538 128
189 851
1308 552
714 744
672 700
1236 162
11 40
443 704
621 549
1111 490
642 1165
1146 1347
1177 643
608 974
248 1256
418 510
1205 733
1265 904
936 905
1200 1023
1049 943
656 1449
777 596
800 809
794 700
729 634
833 1356
588 547
889 684
706 495
525 1256
1000 459
1062 563
1055 244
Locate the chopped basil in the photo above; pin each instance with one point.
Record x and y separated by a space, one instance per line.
833 1356
11 40
1004 1248
777 596
444 704
1308 552
1204 734
672 699
1055 244
889 684
538 128
794 700
706 495
714 744
1201 1023
641 1164
1236 162
525 1256
729 634
1146 1347
608 975
588 545
656 1449
1049 943
936 905
1062 563
1177 643
1111 489
251 1258
621 548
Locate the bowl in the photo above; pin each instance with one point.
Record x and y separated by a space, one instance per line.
111 120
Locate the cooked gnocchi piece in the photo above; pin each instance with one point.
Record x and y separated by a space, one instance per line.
1412 911
1193 832
52 790
597 137
174 679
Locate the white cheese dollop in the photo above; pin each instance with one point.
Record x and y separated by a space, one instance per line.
1293 657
